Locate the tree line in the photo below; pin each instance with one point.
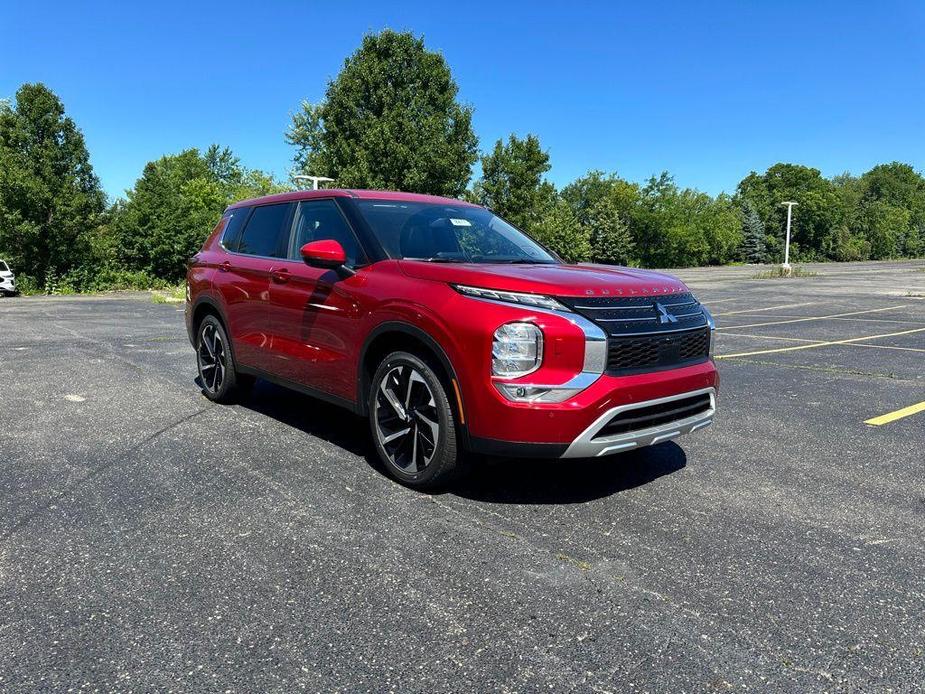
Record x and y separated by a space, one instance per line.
392 119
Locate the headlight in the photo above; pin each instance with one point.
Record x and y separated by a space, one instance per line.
516 350
511 297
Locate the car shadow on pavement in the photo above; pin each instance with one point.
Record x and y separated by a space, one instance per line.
311 416
492 480
522 481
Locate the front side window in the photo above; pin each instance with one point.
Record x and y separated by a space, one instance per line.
264 231
321 220
448 233
4 267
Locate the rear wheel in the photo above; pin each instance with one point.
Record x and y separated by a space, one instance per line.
218 375
412 422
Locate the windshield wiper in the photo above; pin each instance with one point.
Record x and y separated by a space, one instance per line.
436 259
507 261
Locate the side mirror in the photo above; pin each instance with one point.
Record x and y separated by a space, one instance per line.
328 254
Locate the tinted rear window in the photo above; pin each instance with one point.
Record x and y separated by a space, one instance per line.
232 233
264 231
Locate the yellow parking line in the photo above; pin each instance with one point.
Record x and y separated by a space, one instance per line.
803 320
817 344
901 349
881 320
772 337
769 308
803 339
898 414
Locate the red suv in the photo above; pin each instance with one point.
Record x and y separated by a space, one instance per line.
448 328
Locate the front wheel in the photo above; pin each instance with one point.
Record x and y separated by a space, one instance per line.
412 422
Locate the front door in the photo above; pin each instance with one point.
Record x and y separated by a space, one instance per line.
315 311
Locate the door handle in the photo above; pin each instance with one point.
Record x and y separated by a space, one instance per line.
225 266
280 275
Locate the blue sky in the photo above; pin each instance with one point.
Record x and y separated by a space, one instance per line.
707 91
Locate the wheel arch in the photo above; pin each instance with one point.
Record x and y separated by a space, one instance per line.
203 306
392 335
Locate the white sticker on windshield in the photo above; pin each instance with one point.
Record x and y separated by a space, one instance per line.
460 222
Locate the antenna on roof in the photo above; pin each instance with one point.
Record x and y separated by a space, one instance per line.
314 179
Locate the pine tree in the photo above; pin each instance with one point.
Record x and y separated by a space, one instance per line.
754 248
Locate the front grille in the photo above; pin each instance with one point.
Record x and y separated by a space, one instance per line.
653 352
648 333
655 415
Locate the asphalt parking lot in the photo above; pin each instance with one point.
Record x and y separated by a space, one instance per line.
150 540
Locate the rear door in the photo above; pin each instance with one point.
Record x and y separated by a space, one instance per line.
243 280
316 312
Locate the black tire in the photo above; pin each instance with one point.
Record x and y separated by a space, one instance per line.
218 376
407 393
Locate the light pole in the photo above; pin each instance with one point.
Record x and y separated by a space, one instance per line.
314 179
786 265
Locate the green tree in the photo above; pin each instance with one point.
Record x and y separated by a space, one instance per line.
512 182
754 249
611 241
896 184
174 205
585 192
817 212
389 120
50 199
562 232
887 228
891 210
721 222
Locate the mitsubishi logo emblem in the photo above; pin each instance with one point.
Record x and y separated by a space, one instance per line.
663 315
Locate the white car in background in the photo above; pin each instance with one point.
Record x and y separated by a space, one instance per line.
7 279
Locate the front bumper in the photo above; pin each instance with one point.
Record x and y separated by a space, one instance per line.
573 429
7 285
589 444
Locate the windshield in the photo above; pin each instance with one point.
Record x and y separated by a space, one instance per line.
448 233
4 267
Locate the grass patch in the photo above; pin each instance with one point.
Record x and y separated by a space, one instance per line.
171 295
779 273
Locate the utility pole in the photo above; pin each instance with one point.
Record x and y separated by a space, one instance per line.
786 265
314 179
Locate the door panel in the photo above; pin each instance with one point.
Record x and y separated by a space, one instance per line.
315 312
243 279
244 284
316 327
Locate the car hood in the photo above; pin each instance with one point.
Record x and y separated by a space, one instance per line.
555 280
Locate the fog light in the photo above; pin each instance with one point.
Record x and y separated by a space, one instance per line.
516 350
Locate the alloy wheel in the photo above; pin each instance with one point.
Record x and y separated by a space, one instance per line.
407 423
211 358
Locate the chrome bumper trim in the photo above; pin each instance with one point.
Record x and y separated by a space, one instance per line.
586 446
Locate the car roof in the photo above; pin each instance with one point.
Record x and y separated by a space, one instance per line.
351 193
